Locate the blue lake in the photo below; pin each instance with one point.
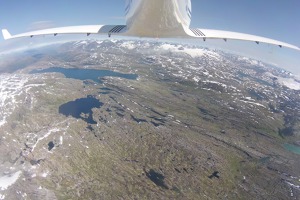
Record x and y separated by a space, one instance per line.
81 106
293 148
85 74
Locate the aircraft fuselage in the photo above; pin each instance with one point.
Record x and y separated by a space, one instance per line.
157 18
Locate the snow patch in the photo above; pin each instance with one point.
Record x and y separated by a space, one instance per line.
289 82
129 45
293 185
251 61
196 79
193 52
11 86
8 180
215 82
61 140
45 174
253 103
94 55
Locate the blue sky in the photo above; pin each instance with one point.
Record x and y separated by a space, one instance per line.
277 19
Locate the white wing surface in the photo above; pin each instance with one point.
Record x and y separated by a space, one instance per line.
88 29
122 30
227 35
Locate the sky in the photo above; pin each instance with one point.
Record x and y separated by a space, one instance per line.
276 19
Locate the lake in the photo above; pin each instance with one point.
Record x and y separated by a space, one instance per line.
85 74
81 108
293 148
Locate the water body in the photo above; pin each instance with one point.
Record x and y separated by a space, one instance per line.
85 74
50 146
81 108
293 148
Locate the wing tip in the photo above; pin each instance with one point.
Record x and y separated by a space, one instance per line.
6 34
297 48
290 46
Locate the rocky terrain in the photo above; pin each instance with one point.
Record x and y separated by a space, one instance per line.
168 121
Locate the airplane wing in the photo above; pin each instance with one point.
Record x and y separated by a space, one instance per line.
227 35
122 30
87 29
